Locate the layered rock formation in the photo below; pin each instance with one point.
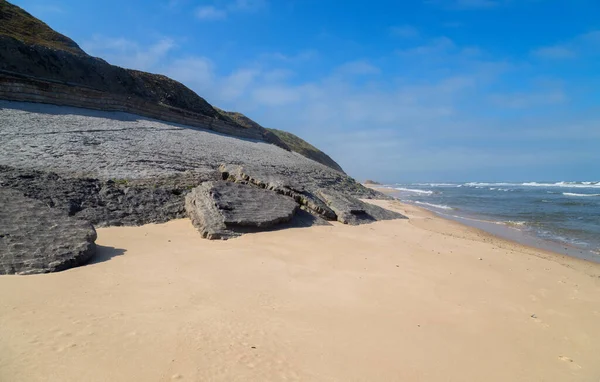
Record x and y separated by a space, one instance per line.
37 239
170 155
222 210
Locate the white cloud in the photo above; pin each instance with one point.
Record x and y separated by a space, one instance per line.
247 5
129 54
554 52
583 45
467 4
404 31
237 83
194 72
302 56
359 67
210 12
528 100
434 46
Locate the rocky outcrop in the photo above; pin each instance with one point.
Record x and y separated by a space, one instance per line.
222 210
349 210
122 169
109 202
37 239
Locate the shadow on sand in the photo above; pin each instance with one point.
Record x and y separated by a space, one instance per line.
104 253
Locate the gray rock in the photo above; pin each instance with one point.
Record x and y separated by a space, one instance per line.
37 239
113 168
221 210
107 202
350 210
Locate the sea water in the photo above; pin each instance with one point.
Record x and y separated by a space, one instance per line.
562 216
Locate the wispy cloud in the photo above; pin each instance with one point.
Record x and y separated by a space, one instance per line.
359 67
210 12
45 9
528 100
404 31
436 45
213 12
299 57
558 52
466 4
583 45
126 53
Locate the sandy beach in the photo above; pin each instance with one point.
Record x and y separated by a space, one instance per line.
423 299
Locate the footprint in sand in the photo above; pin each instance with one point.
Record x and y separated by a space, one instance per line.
568 360
539 322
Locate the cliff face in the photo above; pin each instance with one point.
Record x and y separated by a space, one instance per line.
49 65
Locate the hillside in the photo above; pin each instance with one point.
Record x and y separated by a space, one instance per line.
18 24
29 47
291 141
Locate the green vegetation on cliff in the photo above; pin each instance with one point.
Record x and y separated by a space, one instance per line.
291 141
18 24
302 147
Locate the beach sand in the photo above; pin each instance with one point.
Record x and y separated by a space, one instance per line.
424 299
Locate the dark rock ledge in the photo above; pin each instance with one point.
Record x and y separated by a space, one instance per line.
45 218
37 239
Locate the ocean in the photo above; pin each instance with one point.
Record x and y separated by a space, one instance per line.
563 216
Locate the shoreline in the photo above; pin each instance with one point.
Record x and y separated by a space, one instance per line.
502 231
418 299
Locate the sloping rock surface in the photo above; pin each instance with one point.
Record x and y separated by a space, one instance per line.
37 239
349 210
219 209
113 168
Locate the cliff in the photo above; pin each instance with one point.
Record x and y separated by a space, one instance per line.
36 63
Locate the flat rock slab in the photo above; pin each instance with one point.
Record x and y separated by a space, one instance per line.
37 239
221 210
350 210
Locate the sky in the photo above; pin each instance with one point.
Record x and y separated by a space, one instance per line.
397 91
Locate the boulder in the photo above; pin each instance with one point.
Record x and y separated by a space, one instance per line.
222 210
350 210
37 239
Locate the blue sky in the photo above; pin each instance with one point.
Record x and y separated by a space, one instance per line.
423 90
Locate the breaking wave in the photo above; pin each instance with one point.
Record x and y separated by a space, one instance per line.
441 206
574 194
416 191
536 184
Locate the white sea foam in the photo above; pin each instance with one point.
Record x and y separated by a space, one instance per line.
438 184
564 184
441 206
483 184
574 194
416 191
514 223
536 184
